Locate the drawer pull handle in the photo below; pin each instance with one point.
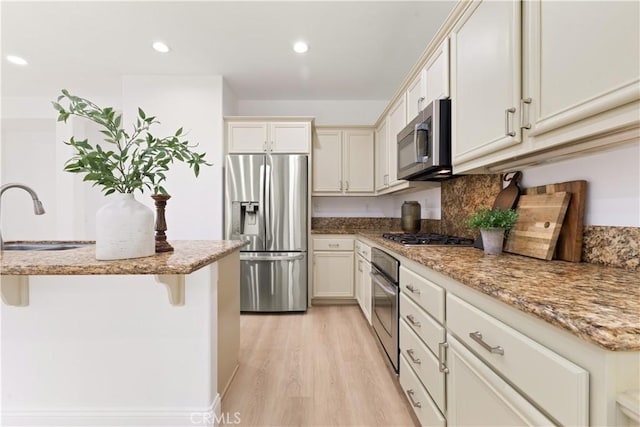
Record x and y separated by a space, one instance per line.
442 366
412 357
334 245
477 337
410 393
413 321
413 290
507 126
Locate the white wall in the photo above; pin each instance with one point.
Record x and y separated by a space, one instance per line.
229 100
194 103
326 112
613 183
27 152
381 206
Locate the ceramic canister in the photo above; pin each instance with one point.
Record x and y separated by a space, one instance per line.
411 221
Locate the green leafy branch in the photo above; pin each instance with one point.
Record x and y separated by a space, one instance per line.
126 162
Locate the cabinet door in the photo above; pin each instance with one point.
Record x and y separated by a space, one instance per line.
358 280
250 137
289 137
397 120
358 161
477 396
436 74
366 290
327 162
382 158
416 95
333 274
573 74
485 81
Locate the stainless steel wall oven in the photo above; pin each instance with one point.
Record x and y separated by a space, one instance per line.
385 293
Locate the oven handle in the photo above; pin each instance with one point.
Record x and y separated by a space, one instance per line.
388 289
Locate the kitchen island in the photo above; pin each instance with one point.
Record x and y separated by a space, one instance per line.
145 341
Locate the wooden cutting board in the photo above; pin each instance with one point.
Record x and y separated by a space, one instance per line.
538 226
569 245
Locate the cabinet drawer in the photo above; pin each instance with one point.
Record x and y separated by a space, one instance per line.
421 323
364 250
424 364
427 295
424 408
333 244
560 387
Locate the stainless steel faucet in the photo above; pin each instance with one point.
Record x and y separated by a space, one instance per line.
37 204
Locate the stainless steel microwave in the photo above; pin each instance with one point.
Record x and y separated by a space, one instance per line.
424 145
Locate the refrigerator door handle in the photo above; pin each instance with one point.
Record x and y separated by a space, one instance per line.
272 258
267 203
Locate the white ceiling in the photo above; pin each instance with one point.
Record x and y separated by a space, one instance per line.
358 50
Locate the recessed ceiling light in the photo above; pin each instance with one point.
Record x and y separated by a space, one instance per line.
300 47
161 47
17 60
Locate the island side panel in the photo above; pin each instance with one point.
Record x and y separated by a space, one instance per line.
110 347
228 319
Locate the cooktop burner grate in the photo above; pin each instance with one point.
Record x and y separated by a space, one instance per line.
427 239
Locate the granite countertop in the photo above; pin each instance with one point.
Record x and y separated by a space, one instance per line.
599 304
596 303
188 256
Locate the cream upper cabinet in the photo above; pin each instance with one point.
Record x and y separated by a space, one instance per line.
485 80
382 156
260 136
436 75
574 87
343 162
327 162
416 95
581 59
357 166
396 121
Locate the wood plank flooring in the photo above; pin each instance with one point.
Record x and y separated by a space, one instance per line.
322 368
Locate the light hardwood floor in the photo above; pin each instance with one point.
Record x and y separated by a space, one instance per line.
322 368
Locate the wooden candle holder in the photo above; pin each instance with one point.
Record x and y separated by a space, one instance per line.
161 224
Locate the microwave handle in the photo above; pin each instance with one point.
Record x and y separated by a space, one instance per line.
419 158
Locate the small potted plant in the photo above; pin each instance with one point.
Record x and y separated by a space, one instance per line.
121 164
492 224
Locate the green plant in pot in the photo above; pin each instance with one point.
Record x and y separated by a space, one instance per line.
492 223
121 164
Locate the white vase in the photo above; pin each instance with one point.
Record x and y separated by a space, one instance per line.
124 229
492 240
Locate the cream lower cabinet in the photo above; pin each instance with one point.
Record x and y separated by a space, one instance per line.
479 397
362 278
343 162
248 135
333 265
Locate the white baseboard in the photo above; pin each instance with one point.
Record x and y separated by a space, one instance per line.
130 417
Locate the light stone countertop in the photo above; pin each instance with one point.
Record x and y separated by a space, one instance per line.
187 257
599 304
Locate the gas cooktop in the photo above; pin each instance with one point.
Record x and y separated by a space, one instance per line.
427 239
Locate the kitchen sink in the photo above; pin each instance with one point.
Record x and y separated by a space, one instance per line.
41 246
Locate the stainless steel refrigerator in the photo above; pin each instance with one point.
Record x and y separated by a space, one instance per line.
266 205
